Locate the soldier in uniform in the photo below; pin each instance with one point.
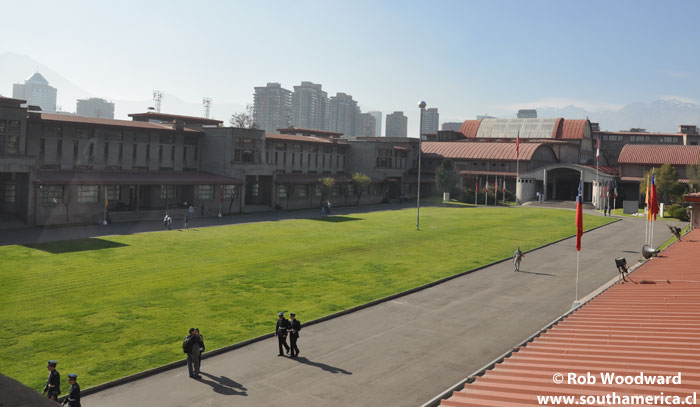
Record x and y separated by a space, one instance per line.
53 384
294 328
73 397
281 332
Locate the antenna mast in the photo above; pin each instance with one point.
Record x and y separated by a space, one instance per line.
157 97
207 104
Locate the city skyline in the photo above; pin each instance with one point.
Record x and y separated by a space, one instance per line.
600 58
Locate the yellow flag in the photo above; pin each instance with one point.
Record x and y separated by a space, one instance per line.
646 201
106 199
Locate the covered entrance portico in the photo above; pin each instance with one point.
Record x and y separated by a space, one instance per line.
561 181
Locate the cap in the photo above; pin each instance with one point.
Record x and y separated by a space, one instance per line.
72 376
292 314
52 363
280 314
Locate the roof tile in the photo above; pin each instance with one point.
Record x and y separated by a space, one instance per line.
659 154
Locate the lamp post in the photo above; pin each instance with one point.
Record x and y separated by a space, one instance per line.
421 105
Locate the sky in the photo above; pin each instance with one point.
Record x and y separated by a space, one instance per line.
463 57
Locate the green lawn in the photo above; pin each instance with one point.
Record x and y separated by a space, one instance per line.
109 307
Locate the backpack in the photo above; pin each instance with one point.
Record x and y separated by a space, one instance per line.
187 344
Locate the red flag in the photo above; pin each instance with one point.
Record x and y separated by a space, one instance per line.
496 185
654 197
579 218
476 187
517 145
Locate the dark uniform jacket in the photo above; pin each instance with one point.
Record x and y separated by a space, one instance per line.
282 326
53 384
73 398
296 326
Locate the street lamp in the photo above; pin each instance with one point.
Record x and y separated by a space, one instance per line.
421 106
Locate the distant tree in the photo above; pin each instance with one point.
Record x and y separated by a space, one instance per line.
360 183
244 119
289 189
326 185
446 177
666 180
693 176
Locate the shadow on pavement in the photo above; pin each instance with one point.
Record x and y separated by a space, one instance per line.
322 366
81 245
224 385
538 274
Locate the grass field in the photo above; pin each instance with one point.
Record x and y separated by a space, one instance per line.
109 307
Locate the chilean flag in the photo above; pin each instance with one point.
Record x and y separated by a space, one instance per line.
597 149
579 218
654 197
517 145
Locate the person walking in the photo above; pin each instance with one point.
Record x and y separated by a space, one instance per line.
53 384
73 397
191 211
294 328
185 221
191 347
517 258
281 333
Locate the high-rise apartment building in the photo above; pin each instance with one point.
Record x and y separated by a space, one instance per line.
344 115
368 126
37 92
272 107
431 121
452 126
310 107
378 123
396 125
527 114
95 107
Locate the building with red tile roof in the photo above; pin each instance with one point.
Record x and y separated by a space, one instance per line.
649 327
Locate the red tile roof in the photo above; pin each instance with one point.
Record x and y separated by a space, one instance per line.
479 151
131 178
64 118
630 328
659 154
174 117
694 197
470 128
307 139
570 129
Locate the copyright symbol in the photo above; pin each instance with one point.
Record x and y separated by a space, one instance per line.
558 378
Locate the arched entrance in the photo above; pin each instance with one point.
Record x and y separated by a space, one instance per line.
562 184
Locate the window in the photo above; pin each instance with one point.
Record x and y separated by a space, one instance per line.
12 144
50 194
59 148
121 151
10 193
293 158
296 148
327 149
107 152
184 154
167 139
191 140
167 192
230 191
134 151
281 191
113 192
160 152
148 151
256 189
206 192
301 191
196 153
313 149
337 161
88 193
172 153
91 152
75 150
318 191
42 147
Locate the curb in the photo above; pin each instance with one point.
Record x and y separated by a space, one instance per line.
435 401
215 352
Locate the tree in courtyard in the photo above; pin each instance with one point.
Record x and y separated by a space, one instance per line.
360 183
244 119
666 180
326 185
693 176
446 177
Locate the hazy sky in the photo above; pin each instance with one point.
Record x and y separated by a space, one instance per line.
463 57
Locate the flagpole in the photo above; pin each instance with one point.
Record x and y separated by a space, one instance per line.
486 191
578 257
104 216
476 192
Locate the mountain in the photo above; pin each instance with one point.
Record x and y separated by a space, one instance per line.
663 115
15 68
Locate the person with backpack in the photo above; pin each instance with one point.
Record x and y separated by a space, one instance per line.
191 347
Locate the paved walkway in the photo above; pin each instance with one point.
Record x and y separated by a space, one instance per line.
402 352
